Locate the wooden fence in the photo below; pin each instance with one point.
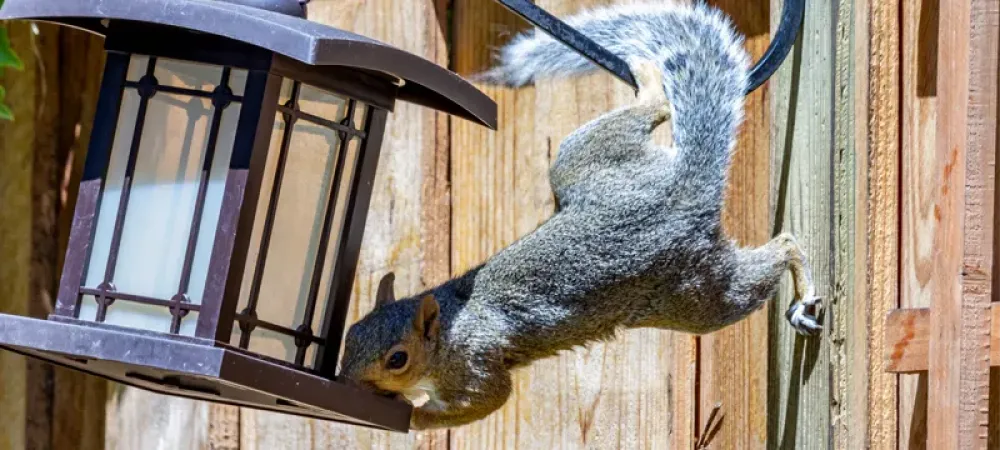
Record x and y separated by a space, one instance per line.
838 148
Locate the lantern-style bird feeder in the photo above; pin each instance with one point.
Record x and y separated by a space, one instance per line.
222 127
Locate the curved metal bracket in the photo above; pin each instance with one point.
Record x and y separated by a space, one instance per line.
792 15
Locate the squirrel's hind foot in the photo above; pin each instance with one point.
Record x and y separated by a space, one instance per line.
804 313
805 322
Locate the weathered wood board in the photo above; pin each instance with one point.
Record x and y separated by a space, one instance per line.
43 407
921 172
16 148
965 149
802 145
878 147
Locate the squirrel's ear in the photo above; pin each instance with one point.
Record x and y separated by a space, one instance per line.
427 320
385 293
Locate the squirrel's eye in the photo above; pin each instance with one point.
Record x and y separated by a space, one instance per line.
397 361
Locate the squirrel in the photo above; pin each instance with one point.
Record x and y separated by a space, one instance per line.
636 242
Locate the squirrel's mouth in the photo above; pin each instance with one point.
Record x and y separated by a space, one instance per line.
398 396
371 387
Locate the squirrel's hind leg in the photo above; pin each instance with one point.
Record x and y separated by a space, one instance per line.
615 138
805 291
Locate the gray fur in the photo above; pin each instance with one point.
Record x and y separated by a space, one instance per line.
637 241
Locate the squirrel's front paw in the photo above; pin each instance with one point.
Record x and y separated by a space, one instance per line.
805 322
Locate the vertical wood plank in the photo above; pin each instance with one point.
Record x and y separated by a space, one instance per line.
407 231
733 362
921 180
626 394
802 141
142 419
881 172
16 149
846 319
966 140
223 427
44 56
43 407
682 384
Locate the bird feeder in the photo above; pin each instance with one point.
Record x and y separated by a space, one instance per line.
221 127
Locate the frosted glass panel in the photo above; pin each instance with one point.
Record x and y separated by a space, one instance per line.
238 81
269 343
137 68
168 171
298 224
310 171
266 187
286 91
213 201
336 234
322 104
110 200
202 77
360 112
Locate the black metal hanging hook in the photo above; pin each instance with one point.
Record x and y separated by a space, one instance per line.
792 15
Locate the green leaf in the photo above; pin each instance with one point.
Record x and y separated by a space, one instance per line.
7 56
6 113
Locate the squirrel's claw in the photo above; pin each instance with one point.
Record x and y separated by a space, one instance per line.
804 323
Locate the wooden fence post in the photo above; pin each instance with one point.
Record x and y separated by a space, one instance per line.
966 142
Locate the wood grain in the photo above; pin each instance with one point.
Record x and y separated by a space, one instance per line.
881 174
966 142
43 407
407 230
802 141
16 160
142 419
908 340
921 172
907 336
846 314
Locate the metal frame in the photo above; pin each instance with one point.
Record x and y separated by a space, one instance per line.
781 44
198 369
316 47
239 206
349 234
72 287
335 320
217 313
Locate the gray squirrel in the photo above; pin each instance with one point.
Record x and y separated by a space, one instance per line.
636 242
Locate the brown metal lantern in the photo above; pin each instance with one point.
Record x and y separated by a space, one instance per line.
221 127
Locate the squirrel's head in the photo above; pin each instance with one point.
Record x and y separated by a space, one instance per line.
389 350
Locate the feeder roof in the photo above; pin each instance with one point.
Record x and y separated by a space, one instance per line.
309 42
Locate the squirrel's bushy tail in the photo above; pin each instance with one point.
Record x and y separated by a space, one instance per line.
705 72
